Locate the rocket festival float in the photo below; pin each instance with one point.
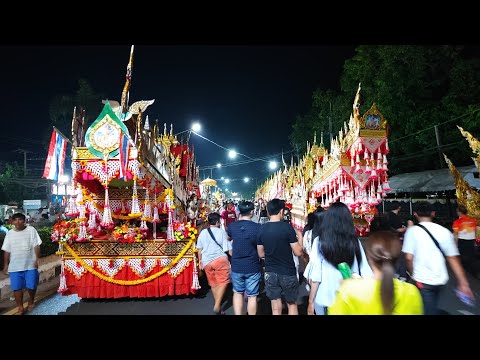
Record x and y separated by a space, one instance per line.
126 232
354 172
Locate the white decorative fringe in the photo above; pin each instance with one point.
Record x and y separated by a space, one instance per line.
107 220
135 211
92 220
170 233
63 281
195 282
147 208
82 233
156 218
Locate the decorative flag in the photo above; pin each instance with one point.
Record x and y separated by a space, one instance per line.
124 153
56 157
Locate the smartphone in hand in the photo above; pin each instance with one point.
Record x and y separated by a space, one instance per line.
467 300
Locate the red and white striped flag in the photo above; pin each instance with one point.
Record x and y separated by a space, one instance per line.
56 157
124 153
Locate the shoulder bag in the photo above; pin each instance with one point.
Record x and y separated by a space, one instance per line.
434 240
216 242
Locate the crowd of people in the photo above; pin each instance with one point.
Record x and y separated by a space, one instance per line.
399 269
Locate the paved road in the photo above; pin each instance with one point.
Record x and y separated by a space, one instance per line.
202 303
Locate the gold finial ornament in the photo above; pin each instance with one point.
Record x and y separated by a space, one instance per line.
474 144
466 196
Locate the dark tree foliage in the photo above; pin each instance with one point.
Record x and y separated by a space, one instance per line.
10 188
61 107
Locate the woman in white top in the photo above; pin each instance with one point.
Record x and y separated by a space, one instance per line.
308 238
337 243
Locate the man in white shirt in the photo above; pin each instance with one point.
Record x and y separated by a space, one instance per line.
212 245
425 261
22 251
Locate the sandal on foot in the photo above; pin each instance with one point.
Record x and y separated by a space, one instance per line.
30 307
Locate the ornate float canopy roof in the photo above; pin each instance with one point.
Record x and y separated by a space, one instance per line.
103 136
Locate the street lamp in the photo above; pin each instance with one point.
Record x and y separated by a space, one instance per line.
196 127
272 165
232 154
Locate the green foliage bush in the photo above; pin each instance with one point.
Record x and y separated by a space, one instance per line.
48 247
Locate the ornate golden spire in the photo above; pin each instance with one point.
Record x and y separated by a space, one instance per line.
474 144
465 194
126 87
356 105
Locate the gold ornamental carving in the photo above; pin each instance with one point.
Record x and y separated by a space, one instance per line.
148 248
373 119
84 154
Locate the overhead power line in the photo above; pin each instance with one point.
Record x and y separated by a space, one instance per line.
432 127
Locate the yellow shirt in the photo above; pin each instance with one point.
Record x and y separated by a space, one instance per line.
362 297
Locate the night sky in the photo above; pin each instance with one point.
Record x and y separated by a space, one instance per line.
245 97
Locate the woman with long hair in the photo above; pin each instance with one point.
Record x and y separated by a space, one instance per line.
382 294
309 241
311 234
310 221
335 242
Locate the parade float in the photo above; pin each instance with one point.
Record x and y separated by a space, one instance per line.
353 172
127 234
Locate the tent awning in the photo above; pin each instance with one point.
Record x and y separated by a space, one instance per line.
432 180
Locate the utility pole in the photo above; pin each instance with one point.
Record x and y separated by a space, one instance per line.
439 145
25 152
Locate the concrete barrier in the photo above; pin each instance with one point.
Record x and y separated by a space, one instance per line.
49 269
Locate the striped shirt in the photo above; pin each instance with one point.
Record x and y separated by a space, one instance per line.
21 246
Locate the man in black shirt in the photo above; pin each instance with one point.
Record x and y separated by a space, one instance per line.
395 221
276 241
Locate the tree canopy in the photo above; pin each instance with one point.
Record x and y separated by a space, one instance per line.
61 106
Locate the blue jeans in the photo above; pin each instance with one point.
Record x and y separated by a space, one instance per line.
249 283
430 295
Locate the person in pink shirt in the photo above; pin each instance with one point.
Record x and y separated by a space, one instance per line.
229 215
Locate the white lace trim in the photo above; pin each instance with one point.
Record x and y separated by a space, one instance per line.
111 271
75 268
136 266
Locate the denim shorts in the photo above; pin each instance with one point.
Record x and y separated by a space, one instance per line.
249 283
277 285
27 279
